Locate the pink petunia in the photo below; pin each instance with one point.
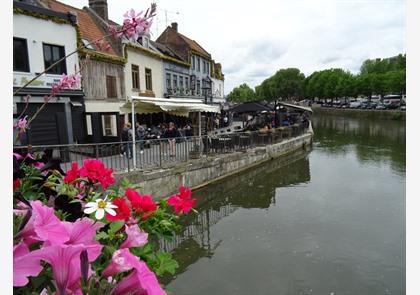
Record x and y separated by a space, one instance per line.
24 265
43 226
122 261
65 264
135 237
141 281
82 232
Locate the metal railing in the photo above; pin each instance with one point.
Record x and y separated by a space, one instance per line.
160 153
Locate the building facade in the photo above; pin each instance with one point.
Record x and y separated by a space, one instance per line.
41 37
199 60
102 72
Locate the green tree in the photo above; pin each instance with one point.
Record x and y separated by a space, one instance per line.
242 93
288 83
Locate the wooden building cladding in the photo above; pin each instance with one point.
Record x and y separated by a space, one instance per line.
103 80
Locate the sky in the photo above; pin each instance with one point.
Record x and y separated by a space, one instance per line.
254 39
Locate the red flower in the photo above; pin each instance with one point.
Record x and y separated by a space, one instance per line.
16 183
182 201
95 171
72 174
123 210
142 204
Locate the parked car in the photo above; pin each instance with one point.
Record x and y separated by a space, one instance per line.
364 105
380 106
402 108
392 103
372 105
355 104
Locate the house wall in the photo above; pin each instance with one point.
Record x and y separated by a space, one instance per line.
94 80
199 74
36 32
178 70
144 61
218 90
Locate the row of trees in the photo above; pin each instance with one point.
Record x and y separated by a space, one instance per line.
376 77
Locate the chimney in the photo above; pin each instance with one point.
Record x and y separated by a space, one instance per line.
175 26
100 7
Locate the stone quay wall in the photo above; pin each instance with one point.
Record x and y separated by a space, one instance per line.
197 173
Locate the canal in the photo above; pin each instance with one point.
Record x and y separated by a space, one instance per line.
326 221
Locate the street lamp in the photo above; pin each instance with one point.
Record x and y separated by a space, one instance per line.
206 88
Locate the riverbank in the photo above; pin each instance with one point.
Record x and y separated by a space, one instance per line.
200 172
360 113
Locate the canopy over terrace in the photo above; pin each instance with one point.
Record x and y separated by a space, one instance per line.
173 106
290 105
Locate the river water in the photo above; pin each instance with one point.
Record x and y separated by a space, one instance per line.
326 221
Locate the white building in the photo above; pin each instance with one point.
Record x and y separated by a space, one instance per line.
40 38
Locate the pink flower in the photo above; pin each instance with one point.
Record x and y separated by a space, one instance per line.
17 156
24 265
95 171
22 123
135 25
65 264
43 226
122 261
72 174
66 82
135 237
182 201
140 281
82 232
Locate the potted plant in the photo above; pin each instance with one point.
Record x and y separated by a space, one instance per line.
195 152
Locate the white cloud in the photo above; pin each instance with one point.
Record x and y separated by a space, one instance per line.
253 39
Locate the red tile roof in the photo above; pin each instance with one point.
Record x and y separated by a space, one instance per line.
88 28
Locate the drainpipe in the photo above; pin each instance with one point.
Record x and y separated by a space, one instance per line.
133 127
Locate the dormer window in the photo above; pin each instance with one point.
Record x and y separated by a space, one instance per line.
87 44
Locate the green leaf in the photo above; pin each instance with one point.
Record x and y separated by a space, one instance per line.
165 263
101 235
115 226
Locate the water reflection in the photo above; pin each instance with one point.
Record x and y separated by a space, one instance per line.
219 201
374 141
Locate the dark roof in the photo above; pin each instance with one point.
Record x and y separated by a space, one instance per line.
35 7
181 44
249 107
165 50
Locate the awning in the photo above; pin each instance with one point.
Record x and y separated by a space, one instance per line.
290 105
173 106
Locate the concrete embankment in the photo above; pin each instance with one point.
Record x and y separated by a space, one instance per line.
200 172
360 113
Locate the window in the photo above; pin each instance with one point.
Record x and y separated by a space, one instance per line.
198 88
168 81
135 76
181 82
111 86
198 64
109 125
186 83
193 61
149 79
87 44
53 53
89 124
20 55
175 81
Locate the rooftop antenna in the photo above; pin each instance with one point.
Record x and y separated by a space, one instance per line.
166 18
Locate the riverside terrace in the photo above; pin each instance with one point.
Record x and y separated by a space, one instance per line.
156 153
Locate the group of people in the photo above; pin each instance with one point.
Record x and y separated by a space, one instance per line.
163 130
221 121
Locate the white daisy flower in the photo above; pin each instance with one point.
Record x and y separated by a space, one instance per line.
100 206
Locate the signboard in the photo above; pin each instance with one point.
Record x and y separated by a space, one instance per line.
45 81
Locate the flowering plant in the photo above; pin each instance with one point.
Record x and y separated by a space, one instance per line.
79 233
